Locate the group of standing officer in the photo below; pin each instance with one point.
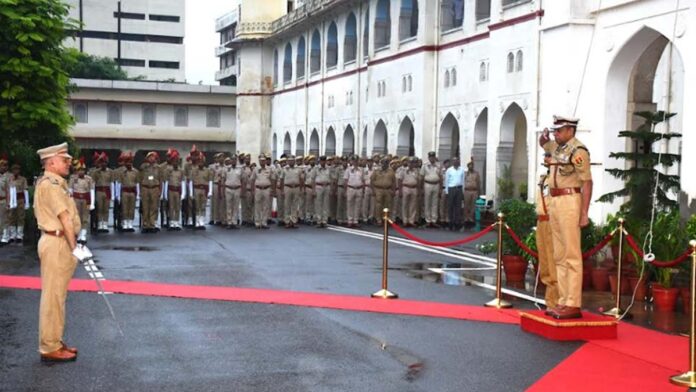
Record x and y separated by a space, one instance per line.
14 201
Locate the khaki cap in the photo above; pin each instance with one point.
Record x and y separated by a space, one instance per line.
60 150
563 121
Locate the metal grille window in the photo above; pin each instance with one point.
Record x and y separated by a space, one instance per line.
181 116
212 118
113 113
149 115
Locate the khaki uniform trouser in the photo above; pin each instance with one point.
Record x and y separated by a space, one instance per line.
57 267
217 204
150 199
15 216
83 211
368 204
280 206
431 197
127 206
292 204
201 199
248 211
341 204
395 211
3 215
174 201
470 205
353 204
321 200
443 207
308 205
261 202
102 206
232 197
383 199
409 205
547 267
332 204
565 216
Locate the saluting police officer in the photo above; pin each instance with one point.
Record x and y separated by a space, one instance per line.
571 191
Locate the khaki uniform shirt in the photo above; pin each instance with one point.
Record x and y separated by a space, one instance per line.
309 172
431 172
354 176
472 181
542 197
128 178
150 175
263 176
174 176
52 199
367 174
322 176
102 177
383 179
292 175
201 176
409 177
232 176
575 160
20 183
4 185
81 185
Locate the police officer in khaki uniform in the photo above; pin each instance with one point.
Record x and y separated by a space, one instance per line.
217 208
280 197
263 183
431 175
57 218
127 191
308 215
472 190
408 191
19 203
234 181
248 214
321 183
292 184
200 189
368 204
354 182
339 174
174 188
82 191
104 187
150 191
383 182
4 202
570 182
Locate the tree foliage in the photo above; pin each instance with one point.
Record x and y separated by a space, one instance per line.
641 175
94 67
34 83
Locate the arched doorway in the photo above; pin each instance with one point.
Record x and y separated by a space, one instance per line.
330 142
449 138
348 141
379 139
405 139
287 144
314 142
637 81
479 150
512 149
274 146
299 144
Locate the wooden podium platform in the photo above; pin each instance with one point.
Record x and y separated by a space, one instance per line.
591 326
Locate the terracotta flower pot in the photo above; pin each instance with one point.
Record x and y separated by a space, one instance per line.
515 268
600 278
625 287
665 300
641 291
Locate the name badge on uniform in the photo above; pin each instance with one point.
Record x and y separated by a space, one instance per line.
150 178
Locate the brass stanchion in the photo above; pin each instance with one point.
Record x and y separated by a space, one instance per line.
688 379
384 293
499 302
616 311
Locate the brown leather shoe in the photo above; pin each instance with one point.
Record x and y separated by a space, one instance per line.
551 311
568 312
59 355
69 349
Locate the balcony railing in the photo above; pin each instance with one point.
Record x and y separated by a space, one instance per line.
226 20
222 49
223 73
253 28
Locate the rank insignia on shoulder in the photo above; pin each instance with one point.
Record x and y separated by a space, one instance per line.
578 160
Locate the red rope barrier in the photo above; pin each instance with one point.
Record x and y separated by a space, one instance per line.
520 243
598 247
410 236
657 263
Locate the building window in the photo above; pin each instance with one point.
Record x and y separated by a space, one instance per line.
451 14
332 46
408 19
410 83
519 61
149 115
164 64
483 10
381 88
330 101
406 83
447 78
287 64
165 18
212 117
129 15
80 112
275 67
350 40
167 39
483 72
315 54
510 62
453 77
181 116
300 59
382 24
130 62
113 113
366 34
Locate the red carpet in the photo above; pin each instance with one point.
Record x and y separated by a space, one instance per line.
294 298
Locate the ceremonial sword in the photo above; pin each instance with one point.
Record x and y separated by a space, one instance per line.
103 294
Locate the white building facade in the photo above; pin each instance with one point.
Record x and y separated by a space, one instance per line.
145 37
473 78
226 26
116 116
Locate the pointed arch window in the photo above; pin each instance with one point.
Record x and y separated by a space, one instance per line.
300 59
332 46
350 40
315 55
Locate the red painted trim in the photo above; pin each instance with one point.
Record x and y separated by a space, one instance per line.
410 52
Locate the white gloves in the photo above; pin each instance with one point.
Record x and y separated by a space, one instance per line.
27 204
92 198
210 189
82 253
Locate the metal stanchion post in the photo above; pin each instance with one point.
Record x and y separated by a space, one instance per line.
499 302
616 311
688 379
384 293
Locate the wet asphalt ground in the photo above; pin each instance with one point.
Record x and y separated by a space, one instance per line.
195 345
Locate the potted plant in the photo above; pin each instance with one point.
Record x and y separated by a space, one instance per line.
595 272
667 244
521 217
531 242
